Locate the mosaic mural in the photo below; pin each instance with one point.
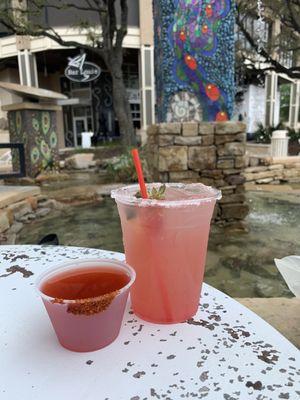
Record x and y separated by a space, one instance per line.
194 59
36 129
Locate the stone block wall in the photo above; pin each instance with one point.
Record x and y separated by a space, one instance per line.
209 152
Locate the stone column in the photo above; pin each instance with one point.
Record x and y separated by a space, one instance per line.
194 59
34 125
210 153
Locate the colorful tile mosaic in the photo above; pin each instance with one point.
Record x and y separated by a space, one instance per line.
36 129
194 59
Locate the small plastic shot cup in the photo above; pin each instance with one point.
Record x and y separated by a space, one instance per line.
87 324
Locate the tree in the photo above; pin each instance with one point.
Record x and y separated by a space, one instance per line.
282 21
25 17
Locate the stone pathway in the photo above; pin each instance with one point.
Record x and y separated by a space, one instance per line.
282 313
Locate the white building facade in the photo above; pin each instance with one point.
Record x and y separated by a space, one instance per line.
41 62
276 98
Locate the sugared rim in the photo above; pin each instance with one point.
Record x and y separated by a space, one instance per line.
78 263
126 195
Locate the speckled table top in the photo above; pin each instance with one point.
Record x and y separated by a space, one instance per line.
224 352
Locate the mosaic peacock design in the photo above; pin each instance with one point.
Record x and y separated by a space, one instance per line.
194 53
37 131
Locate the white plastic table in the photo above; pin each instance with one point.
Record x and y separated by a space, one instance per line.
224 352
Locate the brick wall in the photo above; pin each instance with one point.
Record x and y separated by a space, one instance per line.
211 153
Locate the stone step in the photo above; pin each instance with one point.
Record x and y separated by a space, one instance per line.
14 194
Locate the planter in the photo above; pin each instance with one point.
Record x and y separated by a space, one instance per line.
294 148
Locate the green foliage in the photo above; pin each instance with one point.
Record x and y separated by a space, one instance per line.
122 169
264 134
49 165
155 193
293 134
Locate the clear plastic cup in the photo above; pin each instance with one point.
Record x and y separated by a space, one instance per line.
87 324
165 242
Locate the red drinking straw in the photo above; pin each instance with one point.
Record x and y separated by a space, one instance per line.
139 171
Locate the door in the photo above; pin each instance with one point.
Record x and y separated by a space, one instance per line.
80 125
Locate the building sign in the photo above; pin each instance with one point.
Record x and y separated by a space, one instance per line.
79 70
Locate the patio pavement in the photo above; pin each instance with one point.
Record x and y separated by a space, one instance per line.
282 313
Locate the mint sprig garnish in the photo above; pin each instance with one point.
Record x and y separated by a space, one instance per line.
155 193
158 193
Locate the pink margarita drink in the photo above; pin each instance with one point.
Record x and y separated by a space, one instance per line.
166 243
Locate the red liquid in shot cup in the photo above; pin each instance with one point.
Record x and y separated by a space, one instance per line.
84 283
86 303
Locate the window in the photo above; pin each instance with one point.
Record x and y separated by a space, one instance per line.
271 89
81 111
131 76
135 112
136 115
82 91
285 94
79 85
294 116
286 56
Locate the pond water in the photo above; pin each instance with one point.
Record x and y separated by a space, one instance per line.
239 264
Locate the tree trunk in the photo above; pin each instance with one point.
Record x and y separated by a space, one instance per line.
122 106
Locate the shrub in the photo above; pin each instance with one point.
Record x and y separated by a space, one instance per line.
122 169
293 134
263 134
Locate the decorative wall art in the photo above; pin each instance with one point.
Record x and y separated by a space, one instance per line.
36 129
194 59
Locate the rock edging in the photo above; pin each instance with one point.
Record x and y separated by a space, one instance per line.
16 215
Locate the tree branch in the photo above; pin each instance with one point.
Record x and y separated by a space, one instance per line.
112 19
64 6
53 35
122 31
113 35
292 14
105 25
274 64
89 3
